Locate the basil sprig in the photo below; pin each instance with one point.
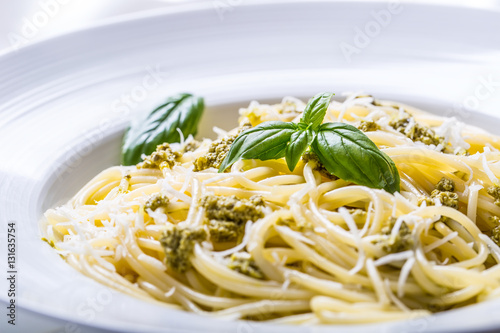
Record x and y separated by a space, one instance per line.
268 141
181 111
344 150
315 110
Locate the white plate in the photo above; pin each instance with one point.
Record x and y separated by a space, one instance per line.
63 110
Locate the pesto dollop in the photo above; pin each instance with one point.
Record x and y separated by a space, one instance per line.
163 157
178 244
368 126
495 232
444 193
494 191
243 263
217 151
156 201
226 216
417 132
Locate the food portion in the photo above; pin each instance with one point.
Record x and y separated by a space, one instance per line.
327 212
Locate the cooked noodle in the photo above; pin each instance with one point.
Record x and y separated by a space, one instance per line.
323 250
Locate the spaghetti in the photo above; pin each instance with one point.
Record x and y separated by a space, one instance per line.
260 242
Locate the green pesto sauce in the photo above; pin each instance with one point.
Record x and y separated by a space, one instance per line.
368 126
215 155
156 201
124 186
244 264
311 157
495 232
494 191
226 216
417 132
178 244
445 185
225 231
163 157
217 151
401 242
449 199
191 146
444 192
294 225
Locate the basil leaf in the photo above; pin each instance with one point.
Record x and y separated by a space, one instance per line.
349 154
316 109
182 111
299 142
266 141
